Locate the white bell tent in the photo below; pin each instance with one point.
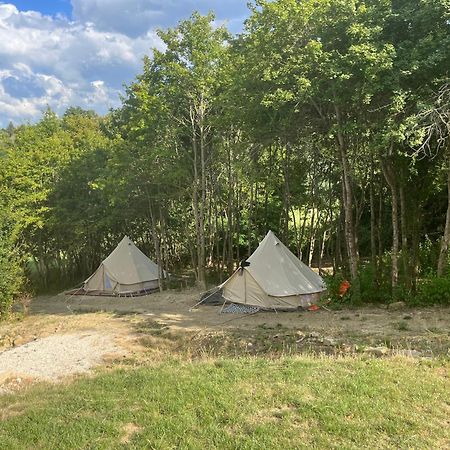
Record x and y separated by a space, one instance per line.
125 271
273 278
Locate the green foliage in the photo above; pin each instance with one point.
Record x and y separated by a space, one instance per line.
373 287
333 283
433 291
11 271
428 255
11 275
222 137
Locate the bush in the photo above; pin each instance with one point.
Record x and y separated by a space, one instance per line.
428 256
371 290
368 290
433 291
10 275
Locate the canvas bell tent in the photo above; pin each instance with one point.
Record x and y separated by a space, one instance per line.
273 278
125 271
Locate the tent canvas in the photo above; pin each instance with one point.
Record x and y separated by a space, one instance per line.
273 279
125 271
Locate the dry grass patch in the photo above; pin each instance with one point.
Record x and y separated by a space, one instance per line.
129 430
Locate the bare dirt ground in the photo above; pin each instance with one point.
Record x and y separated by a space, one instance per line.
130 330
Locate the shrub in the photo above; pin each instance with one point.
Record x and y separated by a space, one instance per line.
10 275
369 291
433 291
373 290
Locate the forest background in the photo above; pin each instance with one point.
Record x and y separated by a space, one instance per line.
327 121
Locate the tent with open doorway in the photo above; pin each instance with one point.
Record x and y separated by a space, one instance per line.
273 278
126 271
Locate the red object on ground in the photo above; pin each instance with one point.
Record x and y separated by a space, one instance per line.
314 308
344 287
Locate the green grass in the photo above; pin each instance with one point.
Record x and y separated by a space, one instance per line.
245 403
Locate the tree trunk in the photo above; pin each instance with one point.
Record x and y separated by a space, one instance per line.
199 199
322 249
349 229
302 232
165 247
415 241
404 229
195 202
286 193
379 235
312 237
238 221
250 220
390 179
373 243
155 242
201 223
230 211
443 254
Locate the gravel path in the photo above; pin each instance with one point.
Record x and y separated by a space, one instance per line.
58 355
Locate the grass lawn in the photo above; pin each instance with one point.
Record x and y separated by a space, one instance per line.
244 403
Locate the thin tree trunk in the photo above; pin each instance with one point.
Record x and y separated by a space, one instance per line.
373 243
238 221
302 232
217 236
155 242
201 251
415 241
250 220
379 236
294 224
445 242
224 247
390 179
404 228
195 202
322 248
165 247
312 237
230 211
286 193
350 235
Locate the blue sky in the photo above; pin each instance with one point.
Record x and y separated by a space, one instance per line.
62 53
51 7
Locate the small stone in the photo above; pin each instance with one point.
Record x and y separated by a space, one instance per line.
377 351
346 348
19 340
409 353
396 306
329 341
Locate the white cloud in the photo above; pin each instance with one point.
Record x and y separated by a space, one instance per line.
51 90
57 62
47 61
134 17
